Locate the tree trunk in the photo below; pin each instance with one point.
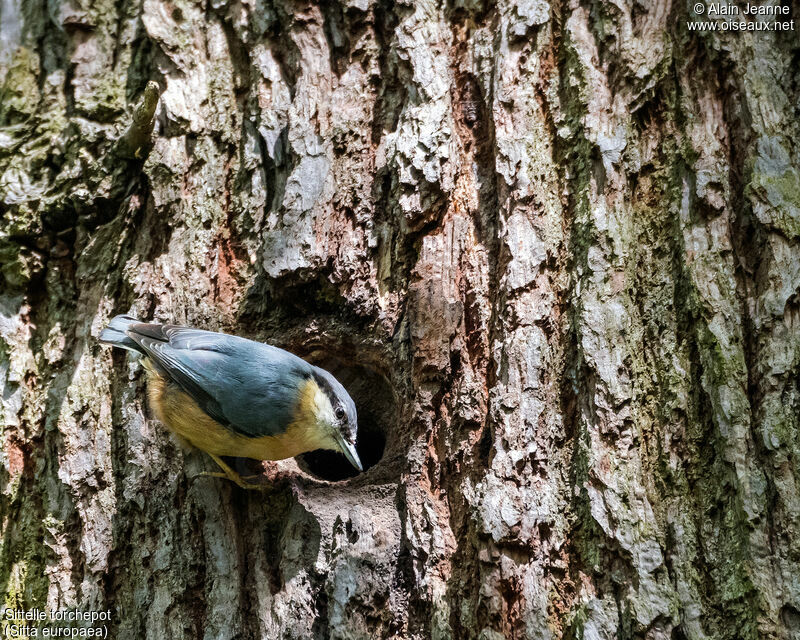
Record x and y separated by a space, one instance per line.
552 251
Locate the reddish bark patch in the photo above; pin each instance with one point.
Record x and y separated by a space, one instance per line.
16 456
228 266
231 258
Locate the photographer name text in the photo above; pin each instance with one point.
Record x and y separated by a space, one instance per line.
723 9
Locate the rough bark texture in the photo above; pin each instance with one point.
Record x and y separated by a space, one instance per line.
551 248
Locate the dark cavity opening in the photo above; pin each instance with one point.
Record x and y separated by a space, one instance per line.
375 404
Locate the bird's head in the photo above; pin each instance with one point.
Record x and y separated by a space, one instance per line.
336 417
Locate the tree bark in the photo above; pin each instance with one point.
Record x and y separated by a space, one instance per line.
551 249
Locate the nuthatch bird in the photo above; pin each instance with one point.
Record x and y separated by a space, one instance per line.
229 396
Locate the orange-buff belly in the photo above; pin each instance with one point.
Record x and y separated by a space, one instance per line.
181 414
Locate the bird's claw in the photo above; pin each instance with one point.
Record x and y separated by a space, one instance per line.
231 475
235 478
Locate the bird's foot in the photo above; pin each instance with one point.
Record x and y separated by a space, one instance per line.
231 475
241 481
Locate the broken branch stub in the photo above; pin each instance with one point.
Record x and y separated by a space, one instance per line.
136 141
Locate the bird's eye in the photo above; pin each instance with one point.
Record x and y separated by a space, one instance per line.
339 413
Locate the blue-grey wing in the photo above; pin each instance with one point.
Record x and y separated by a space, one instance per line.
249 387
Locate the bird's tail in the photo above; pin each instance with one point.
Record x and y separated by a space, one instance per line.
115 334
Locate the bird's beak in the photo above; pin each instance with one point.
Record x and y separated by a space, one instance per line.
349 451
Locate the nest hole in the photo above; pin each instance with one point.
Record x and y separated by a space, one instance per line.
376 407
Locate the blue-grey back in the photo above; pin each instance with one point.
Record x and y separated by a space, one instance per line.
250 387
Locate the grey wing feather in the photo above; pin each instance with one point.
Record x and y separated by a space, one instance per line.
115 334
